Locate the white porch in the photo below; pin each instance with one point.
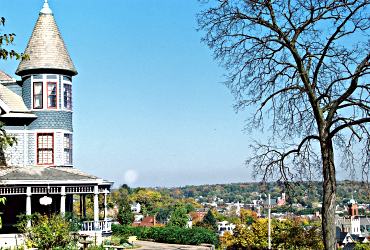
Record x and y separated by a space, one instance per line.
105 226
56 198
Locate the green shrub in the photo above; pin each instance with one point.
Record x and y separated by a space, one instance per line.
169 234
46 233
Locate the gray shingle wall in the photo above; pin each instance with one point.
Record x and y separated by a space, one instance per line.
31 149
52 120
58 148
16 89
26 92
14 154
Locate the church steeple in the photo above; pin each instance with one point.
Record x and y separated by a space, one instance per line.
46 49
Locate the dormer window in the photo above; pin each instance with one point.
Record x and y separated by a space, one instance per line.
37 95
52 95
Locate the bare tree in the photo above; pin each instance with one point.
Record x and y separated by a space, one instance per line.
303 65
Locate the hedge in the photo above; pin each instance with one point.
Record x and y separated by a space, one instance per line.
169 234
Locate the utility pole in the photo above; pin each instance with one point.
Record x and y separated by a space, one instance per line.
269 222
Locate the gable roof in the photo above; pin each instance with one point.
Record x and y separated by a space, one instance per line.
4 77
46 48
10 101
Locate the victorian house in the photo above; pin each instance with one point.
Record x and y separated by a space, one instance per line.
37 110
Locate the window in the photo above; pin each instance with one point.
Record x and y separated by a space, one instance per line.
51 77
52 95
37 95
37 76
67 96
67 78
45 148
68 149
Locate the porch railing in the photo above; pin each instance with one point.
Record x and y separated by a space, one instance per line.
103 225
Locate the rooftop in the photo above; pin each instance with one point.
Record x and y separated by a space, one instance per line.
46 48
4 77
10 101
42 174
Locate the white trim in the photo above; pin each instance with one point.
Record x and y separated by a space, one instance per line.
18 115
35 131
25 146
61 182
4 106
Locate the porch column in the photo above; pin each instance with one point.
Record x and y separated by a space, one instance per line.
105 204
84 206
28 204
63 200
96 207
81 201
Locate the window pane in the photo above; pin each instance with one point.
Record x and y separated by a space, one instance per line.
37 95
67 78
45 150
67 96
68 149
37 76
51 77
52 95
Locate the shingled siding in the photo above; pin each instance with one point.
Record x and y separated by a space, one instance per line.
58 148
15 88
14 154
26 92
52 120
32 149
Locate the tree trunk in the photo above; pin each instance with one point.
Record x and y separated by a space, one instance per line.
329 194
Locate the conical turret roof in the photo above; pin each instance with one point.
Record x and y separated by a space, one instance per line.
46 49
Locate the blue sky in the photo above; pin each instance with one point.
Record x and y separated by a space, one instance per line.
150 108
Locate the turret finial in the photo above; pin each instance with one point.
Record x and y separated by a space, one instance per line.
45 8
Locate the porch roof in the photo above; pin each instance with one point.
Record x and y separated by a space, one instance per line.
38 174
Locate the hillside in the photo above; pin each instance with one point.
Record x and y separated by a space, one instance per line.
303 192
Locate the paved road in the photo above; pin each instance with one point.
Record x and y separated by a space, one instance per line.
148 245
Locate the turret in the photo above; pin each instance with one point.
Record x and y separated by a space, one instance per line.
47 92
46 49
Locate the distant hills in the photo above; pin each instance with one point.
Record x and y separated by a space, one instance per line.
302 192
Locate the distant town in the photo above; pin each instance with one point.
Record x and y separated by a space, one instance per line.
232 205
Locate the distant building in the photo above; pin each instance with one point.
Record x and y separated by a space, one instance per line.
189 223
281 200
352 228
148 221
136 207
225 226
351 223
197 216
